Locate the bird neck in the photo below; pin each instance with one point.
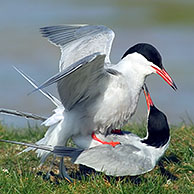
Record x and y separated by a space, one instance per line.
133 69
157 138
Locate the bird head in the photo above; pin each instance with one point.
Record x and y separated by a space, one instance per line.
158 129
151 61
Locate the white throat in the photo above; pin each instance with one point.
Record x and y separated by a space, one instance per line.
135 68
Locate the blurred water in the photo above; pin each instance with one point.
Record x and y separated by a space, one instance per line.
21 45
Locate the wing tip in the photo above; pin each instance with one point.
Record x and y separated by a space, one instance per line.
49 30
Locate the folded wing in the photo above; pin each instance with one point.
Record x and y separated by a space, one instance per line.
121 160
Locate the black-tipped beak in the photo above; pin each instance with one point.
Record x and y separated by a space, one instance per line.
147 97
163 73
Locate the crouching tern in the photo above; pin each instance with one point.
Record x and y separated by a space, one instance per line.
132 156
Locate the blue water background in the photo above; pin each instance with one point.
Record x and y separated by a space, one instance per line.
21 45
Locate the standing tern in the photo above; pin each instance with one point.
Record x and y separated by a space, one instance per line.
97 96
132 156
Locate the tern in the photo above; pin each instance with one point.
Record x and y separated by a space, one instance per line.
132 156
96 96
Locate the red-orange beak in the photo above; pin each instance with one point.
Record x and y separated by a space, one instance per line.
147 97
163 73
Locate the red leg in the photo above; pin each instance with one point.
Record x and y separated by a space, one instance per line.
112 143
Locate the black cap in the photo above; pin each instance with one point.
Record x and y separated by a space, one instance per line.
148 51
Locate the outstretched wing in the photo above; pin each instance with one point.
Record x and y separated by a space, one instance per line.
78 81
79 41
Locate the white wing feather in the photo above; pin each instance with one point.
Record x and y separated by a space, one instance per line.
53 99
78 41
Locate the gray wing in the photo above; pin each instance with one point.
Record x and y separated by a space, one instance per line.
78 41
75 81
122 160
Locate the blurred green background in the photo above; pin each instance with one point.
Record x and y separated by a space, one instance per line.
169 25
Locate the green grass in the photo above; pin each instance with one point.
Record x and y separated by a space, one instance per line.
18 173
